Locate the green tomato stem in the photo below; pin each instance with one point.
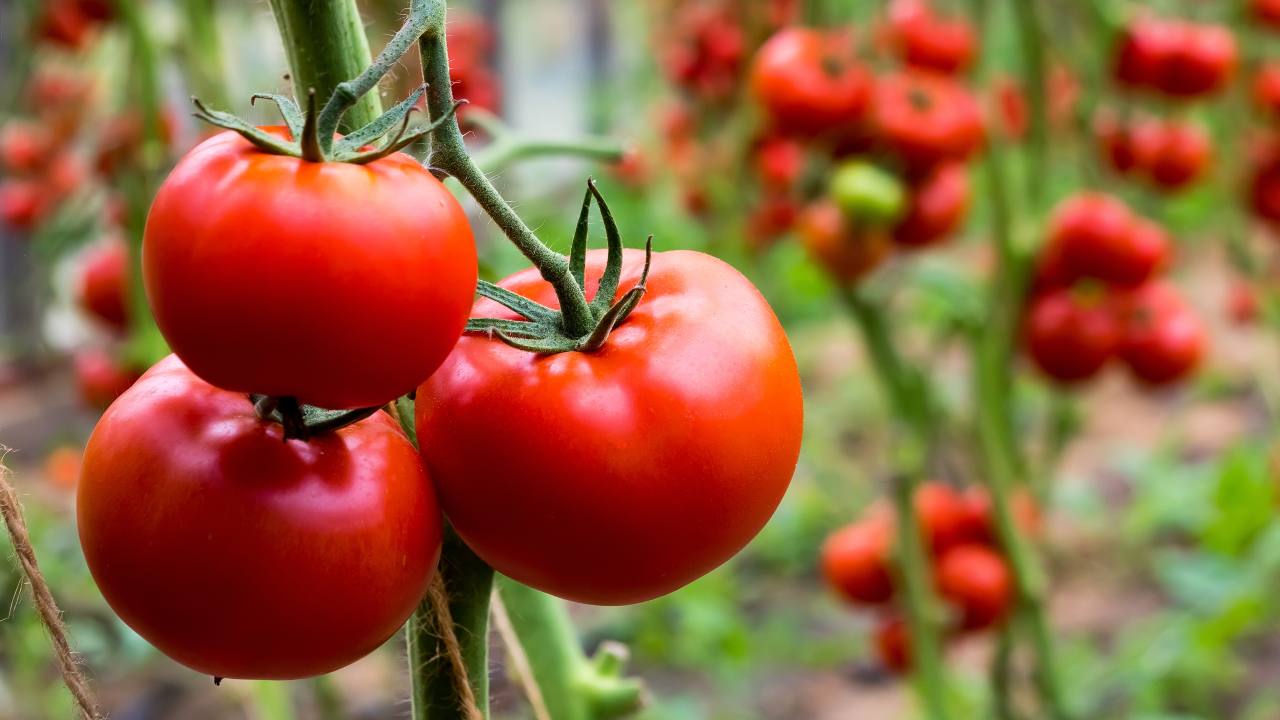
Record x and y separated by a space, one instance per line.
1032 41
469 584
909 399
326 45
449 154
572 686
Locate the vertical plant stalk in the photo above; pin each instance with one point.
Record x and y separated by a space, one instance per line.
449 655
1032 41
326 45
572 686
911 404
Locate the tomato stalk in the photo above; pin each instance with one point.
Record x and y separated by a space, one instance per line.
573 687
1031 39
326 45
506 147
910 399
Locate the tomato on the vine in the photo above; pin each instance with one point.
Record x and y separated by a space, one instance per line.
605 477
1126 147
975 579
939 202
101 378
925 40
1266 89
809 82
1099 237
845 252
868 195
1180 156
23 203
242 555
856 561
1071 338
24 147
1163 339
893 643
1266 12
341 285
103 276
1264 182
926 119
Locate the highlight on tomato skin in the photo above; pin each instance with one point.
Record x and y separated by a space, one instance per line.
226 547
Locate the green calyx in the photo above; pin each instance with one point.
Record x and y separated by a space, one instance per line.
303 422
547 331
312 131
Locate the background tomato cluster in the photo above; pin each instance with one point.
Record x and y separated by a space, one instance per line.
828 150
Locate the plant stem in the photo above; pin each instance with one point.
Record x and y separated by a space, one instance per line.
326 45
469 583
573 687
911 404
204 51
1032 40
449 153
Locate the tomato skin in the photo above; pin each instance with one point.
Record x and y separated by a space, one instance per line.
1266 12
1164 341
1180 157
856 561
926 41
976 580
1180 59
847 254
1144 47
1266 89
938 206
103 277
979 525
1068 339
809 83
1264 182
1127 148
893 644
22 203
1243 305
24 147
1099 237
926 119
630 455
242 556
779 161
341 285
101 378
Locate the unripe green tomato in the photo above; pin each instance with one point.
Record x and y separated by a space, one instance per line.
867 194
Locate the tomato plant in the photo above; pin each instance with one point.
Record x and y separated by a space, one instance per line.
808 82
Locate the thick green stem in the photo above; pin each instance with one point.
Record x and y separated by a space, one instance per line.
1032 42
469 584
573 687
326 45
449 154
911 404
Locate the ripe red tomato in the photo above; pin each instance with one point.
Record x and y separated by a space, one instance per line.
1264 182
1145 46
240 555
704 50
631 454
975 579
925 40
1099 237
1126 147
1070 338
845 253
1266 89
101 378
856 561
979 525
1163 339
893 644
779 161
809 82
22 203
1266 12
1201 62
341 285
24 147
926 119
64 24
1180 156
102 290
938 206
770 218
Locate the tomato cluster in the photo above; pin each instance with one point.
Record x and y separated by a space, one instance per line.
71 23
968 568
1097 296
1176 58
1170 154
